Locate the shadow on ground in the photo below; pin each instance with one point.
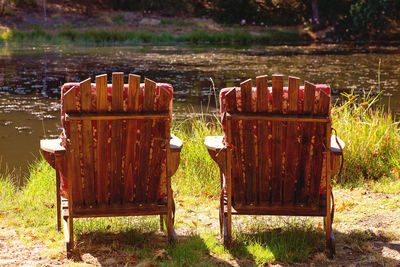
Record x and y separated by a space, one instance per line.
283 246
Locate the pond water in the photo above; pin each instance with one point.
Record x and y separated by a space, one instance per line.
31 77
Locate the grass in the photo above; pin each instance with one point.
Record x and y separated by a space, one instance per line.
372 154
75 36
197 170
372 137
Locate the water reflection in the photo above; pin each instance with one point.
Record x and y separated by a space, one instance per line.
30 79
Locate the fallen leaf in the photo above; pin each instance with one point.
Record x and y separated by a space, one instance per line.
341 208
2 215
180 222
160 254
32 236
52 240
319 225
194 223
17 209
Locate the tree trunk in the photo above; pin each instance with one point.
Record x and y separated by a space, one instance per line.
315 18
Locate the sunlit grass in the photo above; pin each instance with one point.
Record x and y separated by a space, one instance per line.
197 173
372 138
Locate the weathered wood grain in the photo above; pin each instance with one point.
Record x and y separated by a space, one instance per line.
145 143
292 144
277 139
249 153
305 160
89 189
131 135
264 175
103 147
116 138
73 171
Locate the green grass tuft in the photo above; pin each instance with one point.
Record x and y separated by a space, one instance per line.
69 35
372 138
197 173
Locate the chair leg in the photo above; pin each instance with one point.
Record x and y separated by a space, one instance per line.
170 219
58 201
329 236
221 214
161 223
68 234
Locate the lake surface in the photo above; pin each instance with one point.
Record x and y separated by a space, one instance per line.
31 77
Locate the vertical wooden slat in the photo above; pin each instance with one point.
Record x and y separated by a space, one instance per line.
145 143
292 144
229 184
158 149
73 171
262 140
306 145
322 108
131 134
116 138
250 160
237 179
102 168
87 145
328 218
277 139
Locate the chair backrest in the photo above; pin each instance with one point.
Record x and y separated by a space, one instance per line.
117 137
278 137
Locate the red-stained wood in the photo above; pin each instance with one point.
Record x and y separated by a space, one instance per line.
262 140
89 189
322 108
103 147
116 182
237 177
277 139
292 143
249 152
145 143
72 153
305 159
160 137
131 135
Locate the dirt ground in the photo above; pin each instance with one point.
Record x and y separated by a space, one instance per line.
367 228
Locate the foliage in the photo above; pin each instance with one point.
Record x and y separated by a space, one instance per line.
362 20
25 3
151 5
268 12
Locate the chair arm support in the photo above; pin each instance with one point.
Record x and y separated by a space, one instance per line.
53 152
335 148
175 144
52 146
174 157
217 150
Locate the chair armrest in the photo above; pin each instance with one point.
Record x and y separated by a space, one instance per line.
175 144
335 148
52 146
217 150
214 143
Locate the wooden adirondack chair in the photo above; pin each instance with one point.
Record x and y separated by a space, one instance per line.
275 157
117 154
